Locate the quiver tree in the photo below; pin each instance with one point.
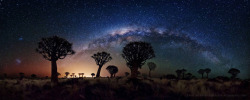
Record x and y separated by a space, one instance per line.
201 71
101 58
52 49
234 72
151 67
112 70
80 74
92 74
207 71
67 74
126 74
136 54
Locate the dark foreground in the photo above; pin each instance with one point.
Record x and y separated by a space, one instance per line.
121 89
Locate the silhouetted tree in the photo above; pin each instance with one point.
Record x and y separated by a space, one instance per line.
183 71
33 76
201 71
126 74
207 70
80 74
112 70
178 73
21 75
73 74
101 58
234 72
136 54
92 74
67 74
151 67
52 49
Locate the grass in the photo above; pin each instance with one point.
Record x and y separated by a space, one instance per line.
113 89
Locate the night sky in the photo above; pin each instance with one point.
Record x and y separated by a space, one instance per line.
190 34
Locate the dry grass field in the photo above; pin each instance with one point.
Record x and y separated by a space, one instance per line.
122 89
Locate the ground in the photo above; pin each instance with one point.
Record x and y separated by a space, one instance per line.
122 89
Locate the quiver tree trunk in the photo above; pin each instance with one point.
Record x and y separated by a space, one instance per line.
54 78
134 72
98 71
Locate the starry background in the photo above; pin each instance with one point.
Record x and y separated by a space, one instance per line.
190 34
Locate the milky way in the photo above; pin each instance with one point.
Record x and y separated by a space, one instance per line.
185 34
174 49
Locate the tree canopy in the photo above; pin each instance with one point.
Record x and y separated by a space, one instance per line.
54 48
137 53
112 70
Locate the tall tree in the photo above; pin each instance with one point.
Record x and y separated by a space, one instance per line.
126 74
112 70
201 71
234 72
151 67
52 49
92 74
101 58
207 71
67 74
136 54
